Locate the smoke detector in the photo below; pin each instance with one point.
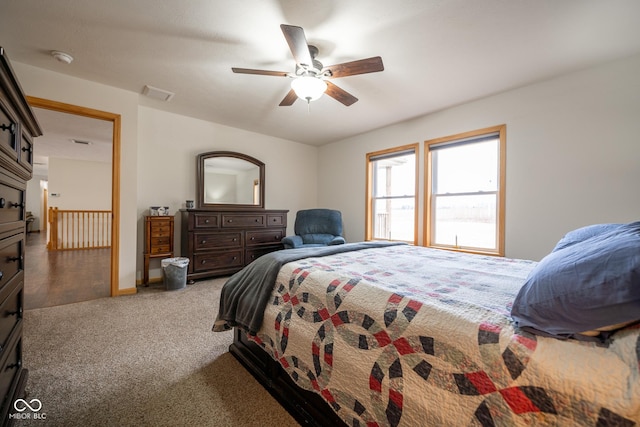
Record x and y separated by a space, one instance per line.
63 57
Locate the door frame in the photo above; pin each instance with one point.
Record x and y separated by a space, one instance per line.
115 172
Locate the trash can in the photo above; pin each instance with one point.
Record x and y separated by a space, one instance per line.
174 273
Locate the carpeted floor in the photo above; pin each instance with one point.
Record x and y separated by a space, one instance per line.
148 359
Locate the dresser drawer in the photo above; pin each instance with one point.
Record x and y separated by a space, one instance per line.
206 221
208 241
254 253
11 258
218 260
276 220
248 220
26 152
265 237
11 203
10 314
12 366
8 132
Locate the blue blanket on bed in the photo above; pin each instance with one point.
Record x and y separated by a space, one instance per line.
245 295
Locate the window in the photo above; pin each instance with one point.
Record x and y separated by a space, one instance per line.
465 191
391 194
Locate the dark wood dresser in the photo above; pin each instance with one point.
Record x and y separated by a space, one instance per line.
18 127
221 242
158 240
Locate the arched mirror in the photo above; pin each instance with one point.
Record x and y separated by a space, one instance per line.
228 179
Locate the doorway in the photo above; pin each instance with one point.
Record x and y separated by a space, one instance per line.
92 258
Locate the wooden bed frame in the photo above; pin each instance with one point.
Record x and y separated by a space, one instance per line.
307 407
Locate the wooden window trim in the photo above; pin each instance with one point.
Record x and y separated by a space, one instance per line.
502 132
368 232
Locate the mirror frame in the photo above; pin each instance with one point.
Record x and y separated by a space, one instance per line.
200 180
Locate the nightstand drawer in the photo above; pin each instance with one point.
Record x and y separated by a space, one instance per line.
160 249
269 237
207 241
161 231
226 259
243 220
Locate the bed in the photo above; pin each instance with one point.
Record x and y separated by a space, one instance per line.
383 334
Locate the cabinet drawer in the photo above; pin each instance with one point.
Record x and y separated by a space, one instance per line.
11 201
160 231
216 260
26 152
206 221
207 241
8 134
276 220
257 252
10 314
12 367
256 220
11 258
261 237
160 249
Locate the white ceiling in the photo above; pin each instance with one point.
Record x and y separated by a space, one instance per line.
436 53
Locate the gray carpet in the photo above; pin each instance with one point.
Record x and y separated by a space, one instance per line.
148 359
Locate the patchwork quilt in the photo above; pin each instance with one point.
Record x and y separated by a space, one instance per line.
411 336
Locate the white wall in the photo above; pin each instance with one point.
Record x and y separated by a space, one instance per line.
59 87
79 185
34 200
167 148
573 155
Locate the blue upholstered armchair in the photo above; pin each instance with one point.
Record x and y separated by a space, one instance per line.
316 227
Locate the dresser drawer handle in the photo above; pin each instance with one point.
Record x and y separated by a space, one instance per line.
14 258
27 149
229 220
14 365
18 312
1 274
253 238
206 221
203 262
11 128
235 258
278 238
235 239
3 202
203 242
257 219
16 205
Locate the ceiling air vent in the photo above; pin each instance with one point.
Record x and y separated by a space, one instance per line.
155 93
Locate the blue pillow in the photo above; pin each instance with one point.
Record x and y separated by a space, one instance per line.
585 286
584 233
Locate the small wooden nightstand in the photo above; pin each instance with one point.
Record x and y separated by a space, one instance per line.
158 240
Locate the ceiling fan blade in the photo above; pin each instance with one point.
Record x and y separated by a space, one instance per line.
362 66
289 99
259 72
340 95
298 44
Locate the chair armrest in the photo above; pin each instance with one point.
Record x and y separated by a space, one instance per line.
338 240
291 242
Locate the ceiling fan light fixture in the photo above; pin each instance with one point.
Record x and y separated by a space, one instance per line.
309 88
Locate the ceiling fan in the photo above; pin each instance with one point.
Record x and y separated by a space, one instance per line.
311 79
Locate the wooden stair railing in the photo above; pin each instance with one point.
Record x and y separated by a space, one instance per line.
78 229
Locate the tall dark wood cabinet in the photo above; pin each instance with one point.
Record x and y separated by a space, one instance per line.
18 127
221 242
